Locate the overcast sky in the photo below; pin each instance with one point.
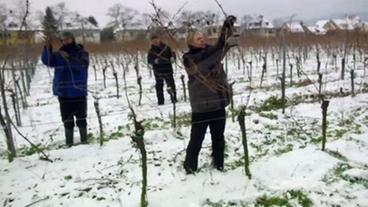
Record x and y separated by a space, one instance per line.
305 9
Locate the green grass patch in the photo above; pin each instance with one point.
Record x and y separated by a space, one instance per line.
272 103
183 119
68 177
265 201
150 125
285 149
283 200
355 180
337 155
336 173
268 115
301 197
33 149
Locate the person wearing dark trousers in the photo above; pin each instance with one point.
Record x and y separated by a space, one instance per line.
71 63
208 93
160 57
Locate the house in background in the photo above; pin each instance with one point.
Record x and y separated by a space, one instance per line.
321 27
260 26
362 26
348 23
83 30
12 34
142 32
214 31
324 26
293 27
131 33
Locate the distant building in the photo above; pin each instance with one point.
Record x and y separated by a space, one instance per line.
324 26
331 25
10 33
362 26
214 31
142 32
131 33
260 26
316 30
349 23
293 27
83 30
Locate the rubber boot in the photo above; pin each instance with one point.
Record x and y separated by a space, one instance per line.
69 136
83 135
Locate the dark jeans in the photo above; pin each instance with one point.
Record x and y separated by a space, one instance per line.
70 107
168 78
200 121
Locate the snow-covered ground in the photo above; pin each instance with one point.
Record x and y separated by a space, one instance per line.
287 165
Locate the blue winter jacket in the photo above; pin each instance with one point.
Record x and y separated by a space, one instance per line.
71 70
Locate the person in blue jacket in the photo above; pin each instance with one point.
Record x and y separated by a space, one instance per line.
70 83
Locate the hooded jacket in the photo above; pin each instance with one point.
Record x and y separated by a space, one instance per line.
71 70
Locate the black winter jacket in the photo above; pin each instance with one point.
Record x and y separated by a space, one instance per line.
207 84
162 54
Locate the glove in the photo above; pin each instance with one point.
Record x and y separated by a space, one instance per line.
52 42
232 41
64 54
156 61
229 21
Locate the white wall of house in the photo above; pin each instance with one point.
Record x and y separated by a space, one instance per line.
89 36
130 34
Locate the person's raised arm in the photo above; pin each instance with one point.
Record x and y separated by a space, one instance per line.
227 29
48 57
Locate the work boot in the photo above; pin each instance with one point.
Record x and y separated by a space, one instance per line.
174 99
188 169
83 135
69 137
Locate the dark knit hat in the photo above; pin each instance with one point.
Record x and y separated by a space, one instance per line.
67 34
155 36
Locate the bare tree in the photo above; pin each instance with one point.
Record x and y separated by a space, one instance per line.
211 18
188 19
197 19
278 22
84 25
49 22
245 21
151 21
3 16
81 23
92 20
114 13
6 121
38 16
122 16
61 12
146 19
20 14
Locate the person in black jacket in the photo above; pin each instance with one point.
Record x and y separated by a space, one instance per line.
160 57
208 93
